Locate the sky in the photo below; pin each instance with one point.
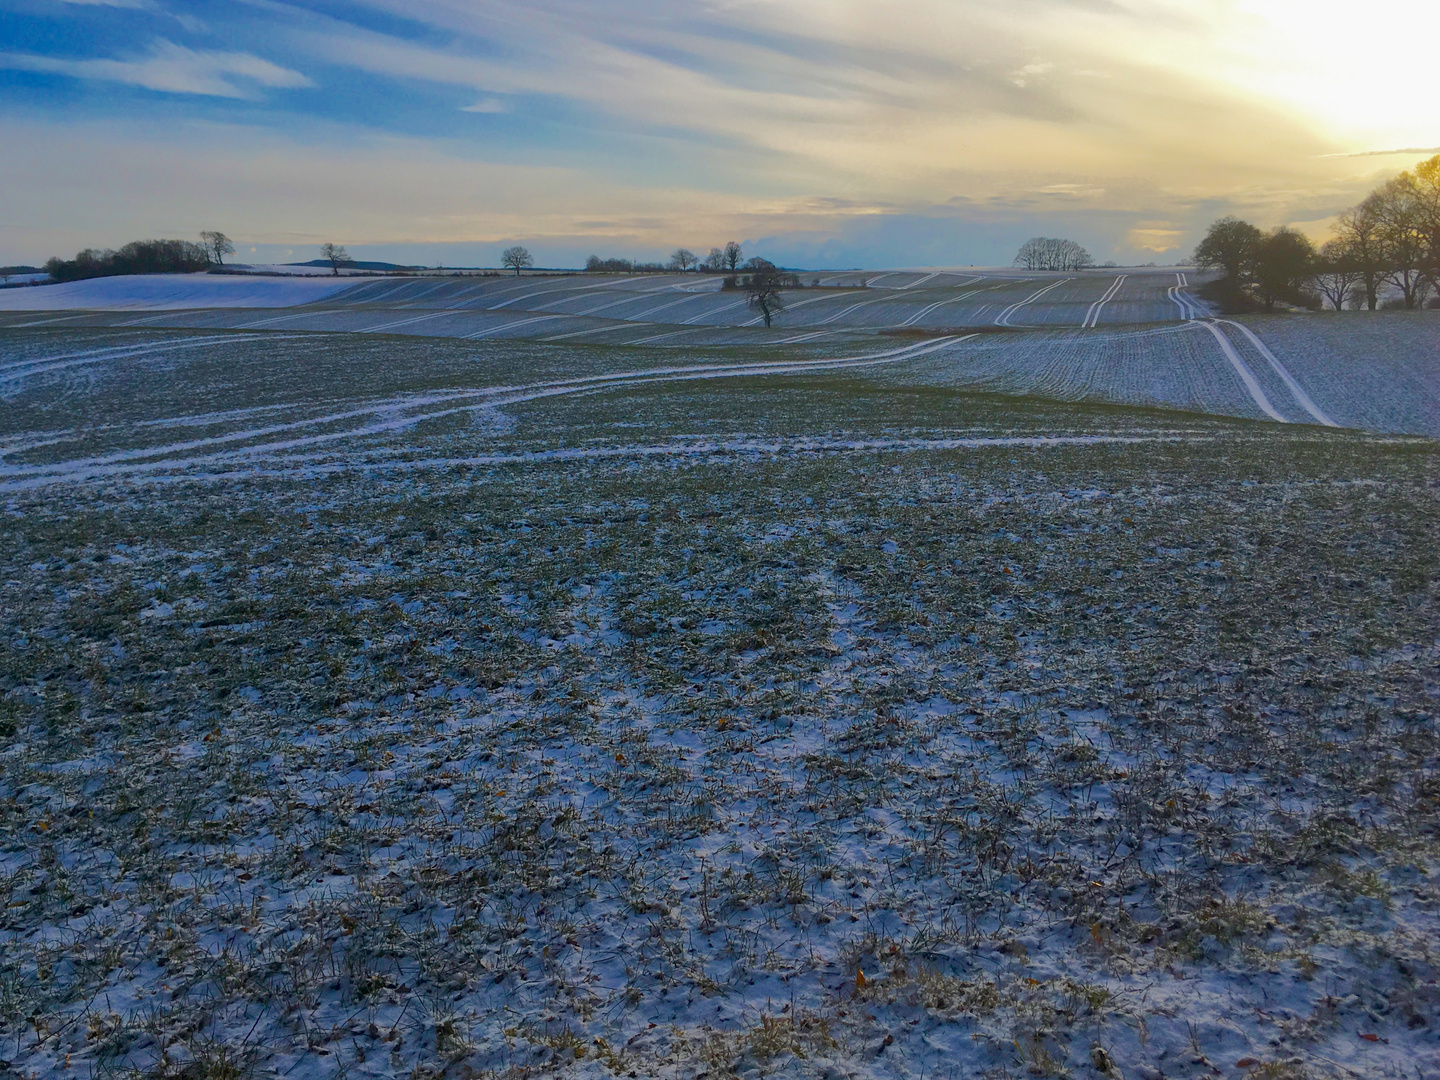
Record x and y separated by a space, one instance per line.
818 133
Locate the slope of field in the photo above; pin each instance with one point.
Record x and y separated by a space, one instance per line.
394 706
153 292
1375 370
466 305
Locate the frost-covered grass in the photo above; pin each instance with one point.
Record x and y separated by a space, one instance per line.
812 723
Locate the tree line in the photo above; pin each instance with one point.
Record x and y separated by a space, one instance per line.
144 257
1391 238
721 260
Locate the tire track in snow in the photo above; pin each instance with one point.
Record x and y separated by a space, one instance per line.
938 304
798 304
1242 369
11 375
1093 315
398 413
1189 309
1003 319
1280 369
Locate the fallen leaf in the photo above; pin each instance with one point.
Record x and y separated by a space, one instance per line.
1369 1036
1245 1063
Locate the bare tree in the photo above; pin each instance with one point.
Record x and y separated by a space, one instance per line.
732 256
516 258
762 288
1427 199
334 254
1337 273
715 261
1400 217
683 259
1359 230
218 245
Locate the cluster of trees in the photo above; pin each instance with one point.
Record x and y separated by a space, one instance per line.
1392 238
621 266
726 260
1049 253
144 257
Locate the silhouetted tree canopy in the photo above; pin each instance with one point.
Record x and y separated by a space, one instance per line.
1284 262
1229 245
335 255
1048 253
516 258
217 245
1392 237
136 257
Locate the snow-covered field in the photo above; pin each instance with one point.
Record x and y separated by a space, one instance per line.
385 705
1134 336
933 299
155 292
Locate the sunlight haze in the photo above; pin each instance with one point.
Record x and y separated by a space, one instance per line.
828 134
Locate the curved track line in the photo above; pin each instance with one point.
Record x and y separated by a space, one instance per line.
1093 315
939 303
509 325
798 304
1003 319
1280 369
1246 375
399 414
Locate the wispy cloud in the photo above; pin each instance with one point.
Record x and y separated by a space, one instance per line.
171 68
1407 150
1133 119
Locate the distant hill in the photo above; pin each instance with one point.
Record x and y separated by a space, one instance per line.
353 265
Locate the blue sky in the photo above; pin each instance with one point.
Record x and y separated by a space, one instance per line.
835 133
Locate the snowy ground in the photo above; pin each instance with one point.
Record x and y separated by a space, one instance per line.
1131 336
157 292
393 706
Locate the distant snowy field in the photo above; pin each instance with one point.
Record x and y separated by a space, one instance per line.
158 292
1134 336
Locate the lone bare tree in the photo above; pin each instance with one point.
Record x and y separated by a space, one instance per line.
516 258
762 288
732 255
334 254
683 259
715 260
218 245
